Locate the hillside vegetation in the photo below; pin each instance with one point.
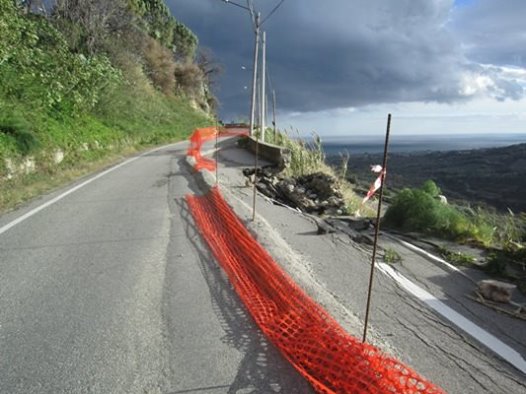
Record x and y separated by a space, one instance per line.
88 79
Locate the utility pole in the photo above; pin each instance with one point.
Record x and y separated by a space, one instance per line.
254 76
274 113
263 78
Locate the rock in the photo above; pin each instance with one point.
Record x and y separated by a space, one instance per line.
335 201
58 156
248 171
495 290
313 193
261 187
324 227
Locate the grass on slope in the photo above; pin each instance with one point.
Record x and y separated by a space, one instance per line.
307 158
121 125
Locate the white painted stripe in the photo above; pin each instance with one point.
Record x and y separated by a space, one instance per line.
481 335
74 189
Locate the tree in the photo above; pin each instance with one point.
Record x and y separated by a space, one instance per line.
208 65
157 19
91 21
37 6
184 42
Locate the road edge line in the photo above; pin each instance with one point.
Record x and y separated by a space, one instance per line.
47 204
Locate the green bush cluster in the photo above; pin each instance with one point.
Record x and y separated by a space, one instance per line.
421 210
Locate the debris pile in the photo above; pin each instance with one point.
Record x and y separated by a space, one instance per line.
317 193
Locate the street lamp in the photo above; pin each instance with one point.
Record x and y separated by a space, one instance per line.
256 21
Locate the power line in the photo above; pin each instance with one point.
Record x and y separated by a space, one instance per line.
237 5
250 8
273 11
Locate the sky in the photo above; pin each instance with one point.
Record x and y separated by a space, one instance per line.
339 66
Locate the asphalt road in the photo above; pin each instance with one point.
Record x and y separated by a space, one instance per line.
110 290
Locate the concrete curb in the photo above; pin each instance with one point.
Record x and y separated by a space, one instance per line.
274 153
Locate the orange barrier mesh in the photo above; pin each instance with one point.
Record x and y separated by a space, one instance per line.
317 346
200 136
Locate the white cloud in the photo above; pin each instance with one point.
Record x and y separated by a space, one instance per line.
478 116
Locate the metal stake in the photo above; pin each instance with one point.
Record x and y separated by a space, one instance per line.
377 229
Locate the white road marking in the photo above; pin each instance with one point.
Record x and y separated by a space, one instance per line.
496 345
34 211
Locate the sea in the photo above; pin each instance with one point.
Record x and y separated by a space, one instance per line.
361 144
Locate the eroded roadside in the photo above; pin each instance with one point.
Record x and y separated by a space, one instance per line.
334 270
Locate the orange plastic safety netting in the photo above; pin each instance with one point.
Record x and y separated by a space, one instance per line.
200 136
317 346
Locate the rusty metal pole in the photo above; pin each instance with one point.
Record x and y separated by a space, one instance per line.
217 153
377 229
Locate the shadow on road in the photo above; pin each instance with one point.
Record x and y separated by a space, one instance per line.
262 368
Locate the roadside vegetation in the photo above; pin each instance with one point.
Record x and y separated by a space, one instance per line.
421 210
307 157
502 236
391 256
88 81
457 258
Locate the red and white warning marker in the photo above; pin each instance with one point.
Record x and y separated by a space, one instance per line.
377 183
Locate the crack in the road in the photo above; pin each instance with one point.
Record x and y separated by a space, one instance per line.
450 356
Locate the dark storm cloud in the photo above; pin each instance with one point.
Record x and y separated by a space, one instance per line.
494 31
340 53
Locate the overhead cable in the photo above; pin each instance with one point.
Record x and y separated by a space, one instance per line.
273 11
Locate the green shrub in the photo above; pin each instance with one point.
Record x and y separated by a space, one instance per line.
420 210
13 125
431 188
